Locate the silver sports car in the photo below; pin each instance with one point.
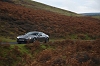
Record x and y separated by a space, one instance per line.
32 37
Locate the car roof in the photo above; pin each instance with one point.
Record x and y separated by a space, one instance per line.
36 32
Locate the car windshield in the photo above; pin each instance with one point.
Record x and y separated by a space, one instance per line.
31 33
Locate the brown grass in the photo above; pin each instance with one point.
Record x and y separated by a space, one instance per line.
16 20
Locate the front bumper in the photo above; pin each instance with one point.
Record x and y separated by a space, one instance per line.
22 40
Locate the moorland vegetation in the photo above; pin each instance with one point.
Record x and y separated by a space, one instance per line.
17 19
58 53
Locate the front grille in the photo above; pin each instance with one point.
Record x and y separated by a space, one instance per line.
21 39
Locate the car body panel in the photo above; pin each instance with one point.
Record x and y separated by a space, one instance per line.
32 36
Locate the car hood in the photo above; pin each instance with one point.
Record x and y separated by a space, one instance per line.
22 36
26 36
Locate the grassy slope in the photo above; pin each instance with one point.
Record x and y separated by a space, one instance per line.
59 53
3 39
37 5
16 20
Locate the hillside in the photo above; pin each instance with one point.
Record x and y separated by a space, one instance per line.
37 5
16 19
59 53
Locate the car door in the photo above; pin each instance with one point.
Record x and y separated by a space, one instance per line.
41 37
33 35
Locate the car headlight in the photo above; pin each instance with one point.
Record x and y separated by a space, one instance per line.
17 37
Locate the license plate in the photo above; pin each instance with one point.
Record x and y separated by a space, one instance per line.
21 39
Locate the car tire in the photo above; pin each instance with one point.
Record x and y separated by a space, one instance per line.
34 39
46 40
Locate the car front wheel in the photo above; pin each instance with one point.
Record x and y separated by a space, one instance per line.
19 42
34 39
46 40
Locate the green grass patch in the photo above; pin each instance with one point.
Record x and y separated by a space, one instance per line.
3 39
73 36
21 47
46 46
80 36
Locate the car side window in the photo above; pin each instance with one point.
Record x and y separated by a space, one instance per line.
40 34
35 34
